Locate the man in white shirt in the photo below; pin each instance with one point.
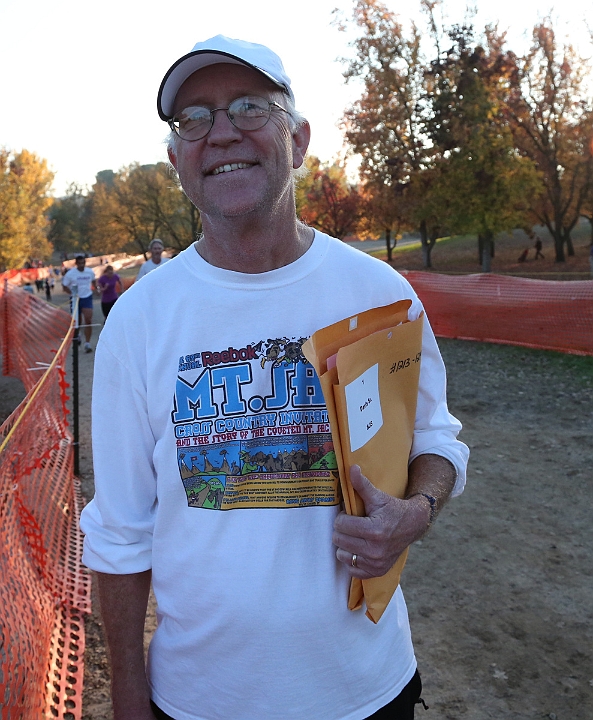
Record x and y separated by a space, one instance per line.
206 466
156 259
80 280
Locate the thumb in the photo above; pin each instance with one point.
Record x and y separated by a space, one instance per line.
372 498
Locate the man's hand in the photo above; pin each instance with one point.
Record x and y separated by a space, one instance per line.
378 539
391 525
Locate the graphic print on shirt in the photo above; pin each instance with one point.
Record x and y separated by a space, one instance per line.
251 429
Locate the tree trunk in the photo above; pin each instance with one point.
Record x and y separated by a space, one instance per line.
480 249
487 251
143 247
388 243
426 245
559 245
568 240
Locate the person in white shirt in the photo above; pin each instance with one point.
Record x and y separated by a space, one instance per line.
82 280
215 471
156 259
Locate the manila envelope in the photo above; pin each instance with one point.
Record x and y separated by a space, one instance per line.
368 366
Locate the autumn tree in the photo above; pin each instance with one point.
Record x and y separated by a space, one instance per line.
587 209
385 126
382 214
25 183
483 185
138 204
327 201
69 220
305 182
552 119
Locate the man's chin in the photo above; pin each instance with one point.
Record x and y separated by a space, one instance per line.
231 208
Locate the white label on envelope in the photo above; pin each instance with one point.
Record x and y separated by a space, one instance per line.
364 407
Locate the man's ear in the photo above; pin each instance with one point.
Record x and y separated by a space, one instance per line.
300 143
172 157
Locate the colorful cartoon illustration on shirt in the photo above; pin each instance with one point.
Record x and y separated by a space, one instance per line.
280 350
252 430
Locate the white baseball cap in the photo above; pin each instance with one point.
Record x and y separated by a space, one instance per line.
220 49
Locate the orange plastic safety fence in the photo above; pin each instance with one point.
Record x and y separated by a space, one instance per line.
31 331
127 282
44 589
24 275
544 314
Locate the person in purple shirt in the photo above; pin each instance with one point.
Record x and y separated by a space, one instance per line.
111 288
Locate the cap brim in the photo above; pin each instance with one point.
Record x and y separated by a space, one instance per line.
187 65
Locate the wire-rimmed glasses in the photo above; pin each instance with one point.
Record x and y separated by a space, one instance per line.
245 113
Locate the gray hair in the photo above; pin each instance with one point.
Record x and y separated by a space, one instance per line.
295 120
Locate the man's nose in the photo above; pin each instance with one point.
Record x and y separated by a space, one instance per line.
223 131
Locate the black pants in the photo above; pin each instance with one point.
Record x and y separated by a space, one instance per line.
400 708
106 307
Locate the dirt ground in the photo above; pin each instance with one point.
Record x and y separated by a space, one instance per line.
500 591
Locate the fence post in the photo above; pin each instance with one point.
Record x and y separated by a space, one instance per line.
75 421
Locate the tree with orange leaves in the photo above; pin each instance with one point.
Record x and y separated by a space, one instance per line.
132 207
385 126
383 213
483 186
25 184
551 116
327 201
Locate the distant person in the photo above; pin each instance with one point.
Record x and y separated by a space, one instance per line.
27 287
156 248
523 256
48 285
110 288
39 284
538 248
83 279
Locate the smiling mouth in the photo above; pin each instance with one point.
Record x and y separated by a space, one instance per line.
230 167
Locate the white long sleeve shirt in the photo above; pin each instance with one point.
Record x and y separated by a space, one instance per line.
213 467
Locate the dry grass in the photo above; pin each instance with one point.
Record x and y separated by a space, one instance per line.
459 254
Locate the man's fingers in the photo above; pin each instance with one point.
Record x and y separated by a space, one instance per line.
351 543
361 568
364 567
352 525
374 539
371 496
363 486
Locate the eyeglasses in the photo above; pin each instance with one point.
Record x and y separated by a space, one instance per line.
246 113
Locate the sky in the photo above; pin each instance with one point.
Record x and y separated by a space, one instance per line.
78 79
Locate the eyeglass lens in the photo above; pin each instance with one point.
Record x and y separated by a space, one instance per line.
246 113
